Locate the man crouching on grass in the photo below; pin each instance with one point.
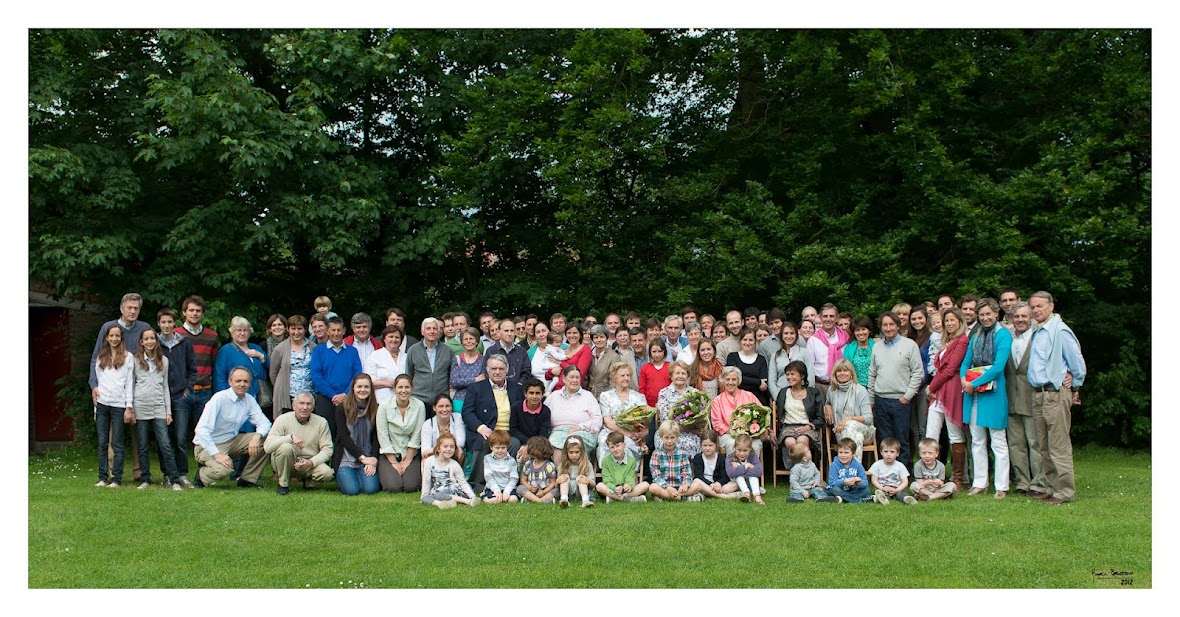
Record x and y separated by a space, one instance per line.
217 439
300 445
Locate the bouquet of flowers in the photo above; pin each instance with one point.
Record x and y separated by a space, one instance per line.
750 419
632 418
692 411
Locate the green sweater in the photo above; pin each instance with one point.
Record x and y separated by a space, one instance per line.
615 473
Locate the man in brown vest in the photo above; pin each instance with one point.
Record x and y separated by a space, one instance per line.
1023 450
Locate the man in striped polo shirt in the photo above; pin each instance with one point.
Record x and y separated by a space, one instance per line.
205 345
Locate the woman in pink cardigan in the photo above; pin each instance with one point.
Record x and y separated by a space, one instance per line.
945 393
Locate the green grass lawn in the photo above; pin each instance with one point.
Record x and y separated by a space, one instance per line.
81 536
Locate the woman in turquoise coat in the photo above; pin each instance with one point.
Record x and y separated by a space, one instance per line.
987 412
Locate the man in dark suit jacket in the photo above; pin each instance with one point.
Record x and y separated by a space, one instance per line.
482 412
519 367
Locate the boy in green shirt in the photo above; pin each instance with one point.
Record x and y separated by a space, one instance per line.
618 473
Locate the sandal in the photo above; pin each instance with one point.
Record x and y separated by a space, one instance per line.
976 491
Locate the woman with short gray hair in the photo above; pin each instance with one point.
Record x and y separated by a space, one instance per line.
241 352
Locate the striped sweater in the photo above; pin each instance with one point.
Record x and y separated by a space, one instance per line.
205 346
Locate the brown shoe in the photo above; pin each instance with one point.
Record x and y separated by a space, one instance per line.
1020 491
1056 501
1000 494
1038 494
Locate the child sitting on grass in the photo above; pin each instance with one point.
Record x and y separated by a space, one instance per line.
889 476
708 469
805 478
671 470
538 474
443 481
742 466
846 477
576 472
930 474
500 474
618 473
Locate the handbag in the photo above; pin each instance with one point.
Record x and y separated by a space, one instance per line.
974 373
265 394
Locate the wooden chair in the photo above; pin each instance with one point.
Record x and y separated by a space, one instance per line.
866 449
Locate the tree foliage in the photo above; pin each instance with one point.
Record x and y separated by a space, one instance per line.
586 170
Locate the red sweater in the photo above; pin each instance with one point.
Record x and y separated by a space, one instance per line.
946 385
652 380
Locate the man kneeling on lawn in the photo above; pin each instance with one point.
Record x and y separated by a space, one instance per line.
300 444
217 439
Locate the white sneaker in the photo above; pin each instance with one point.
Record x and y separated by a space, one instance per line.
113 485
657 498
101 483
474 502
184 481
176 487
696 497
909 500
587 504
143 485
881 498
638 499
443 505
564 503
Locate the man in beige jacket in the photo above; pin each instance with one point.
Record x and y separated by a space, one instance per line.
300 445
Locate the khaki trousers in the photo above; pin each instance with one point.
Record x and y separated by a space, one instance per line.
282 460
212 471
1025 453
1051 412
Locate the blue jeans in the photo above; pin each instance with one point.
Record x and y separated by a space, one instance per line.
184 419
816 493
352 480
893 420
159 428
109 422
859 494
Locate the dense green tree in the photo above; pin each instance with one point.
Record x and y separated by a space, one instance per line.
587 170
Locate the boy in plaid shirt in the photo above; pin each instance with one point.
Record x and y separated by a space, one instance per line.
671 468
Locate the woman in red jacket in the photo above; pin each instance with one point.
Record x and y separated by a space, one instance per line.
945 393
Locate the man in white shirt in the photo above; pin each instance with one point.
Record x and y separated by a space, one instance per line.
218 441
360 338
675 341
826 346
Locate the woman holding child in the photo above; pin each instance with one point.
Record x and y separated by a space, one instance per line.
576 355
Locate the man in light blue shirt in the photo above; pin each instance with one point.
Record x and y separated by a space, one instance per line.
217 440
1056 371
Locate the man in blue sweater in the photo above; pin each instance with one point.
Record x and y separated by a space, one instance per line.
333 365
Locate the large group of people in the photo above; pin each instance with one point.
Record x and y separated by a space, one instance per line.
523 409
